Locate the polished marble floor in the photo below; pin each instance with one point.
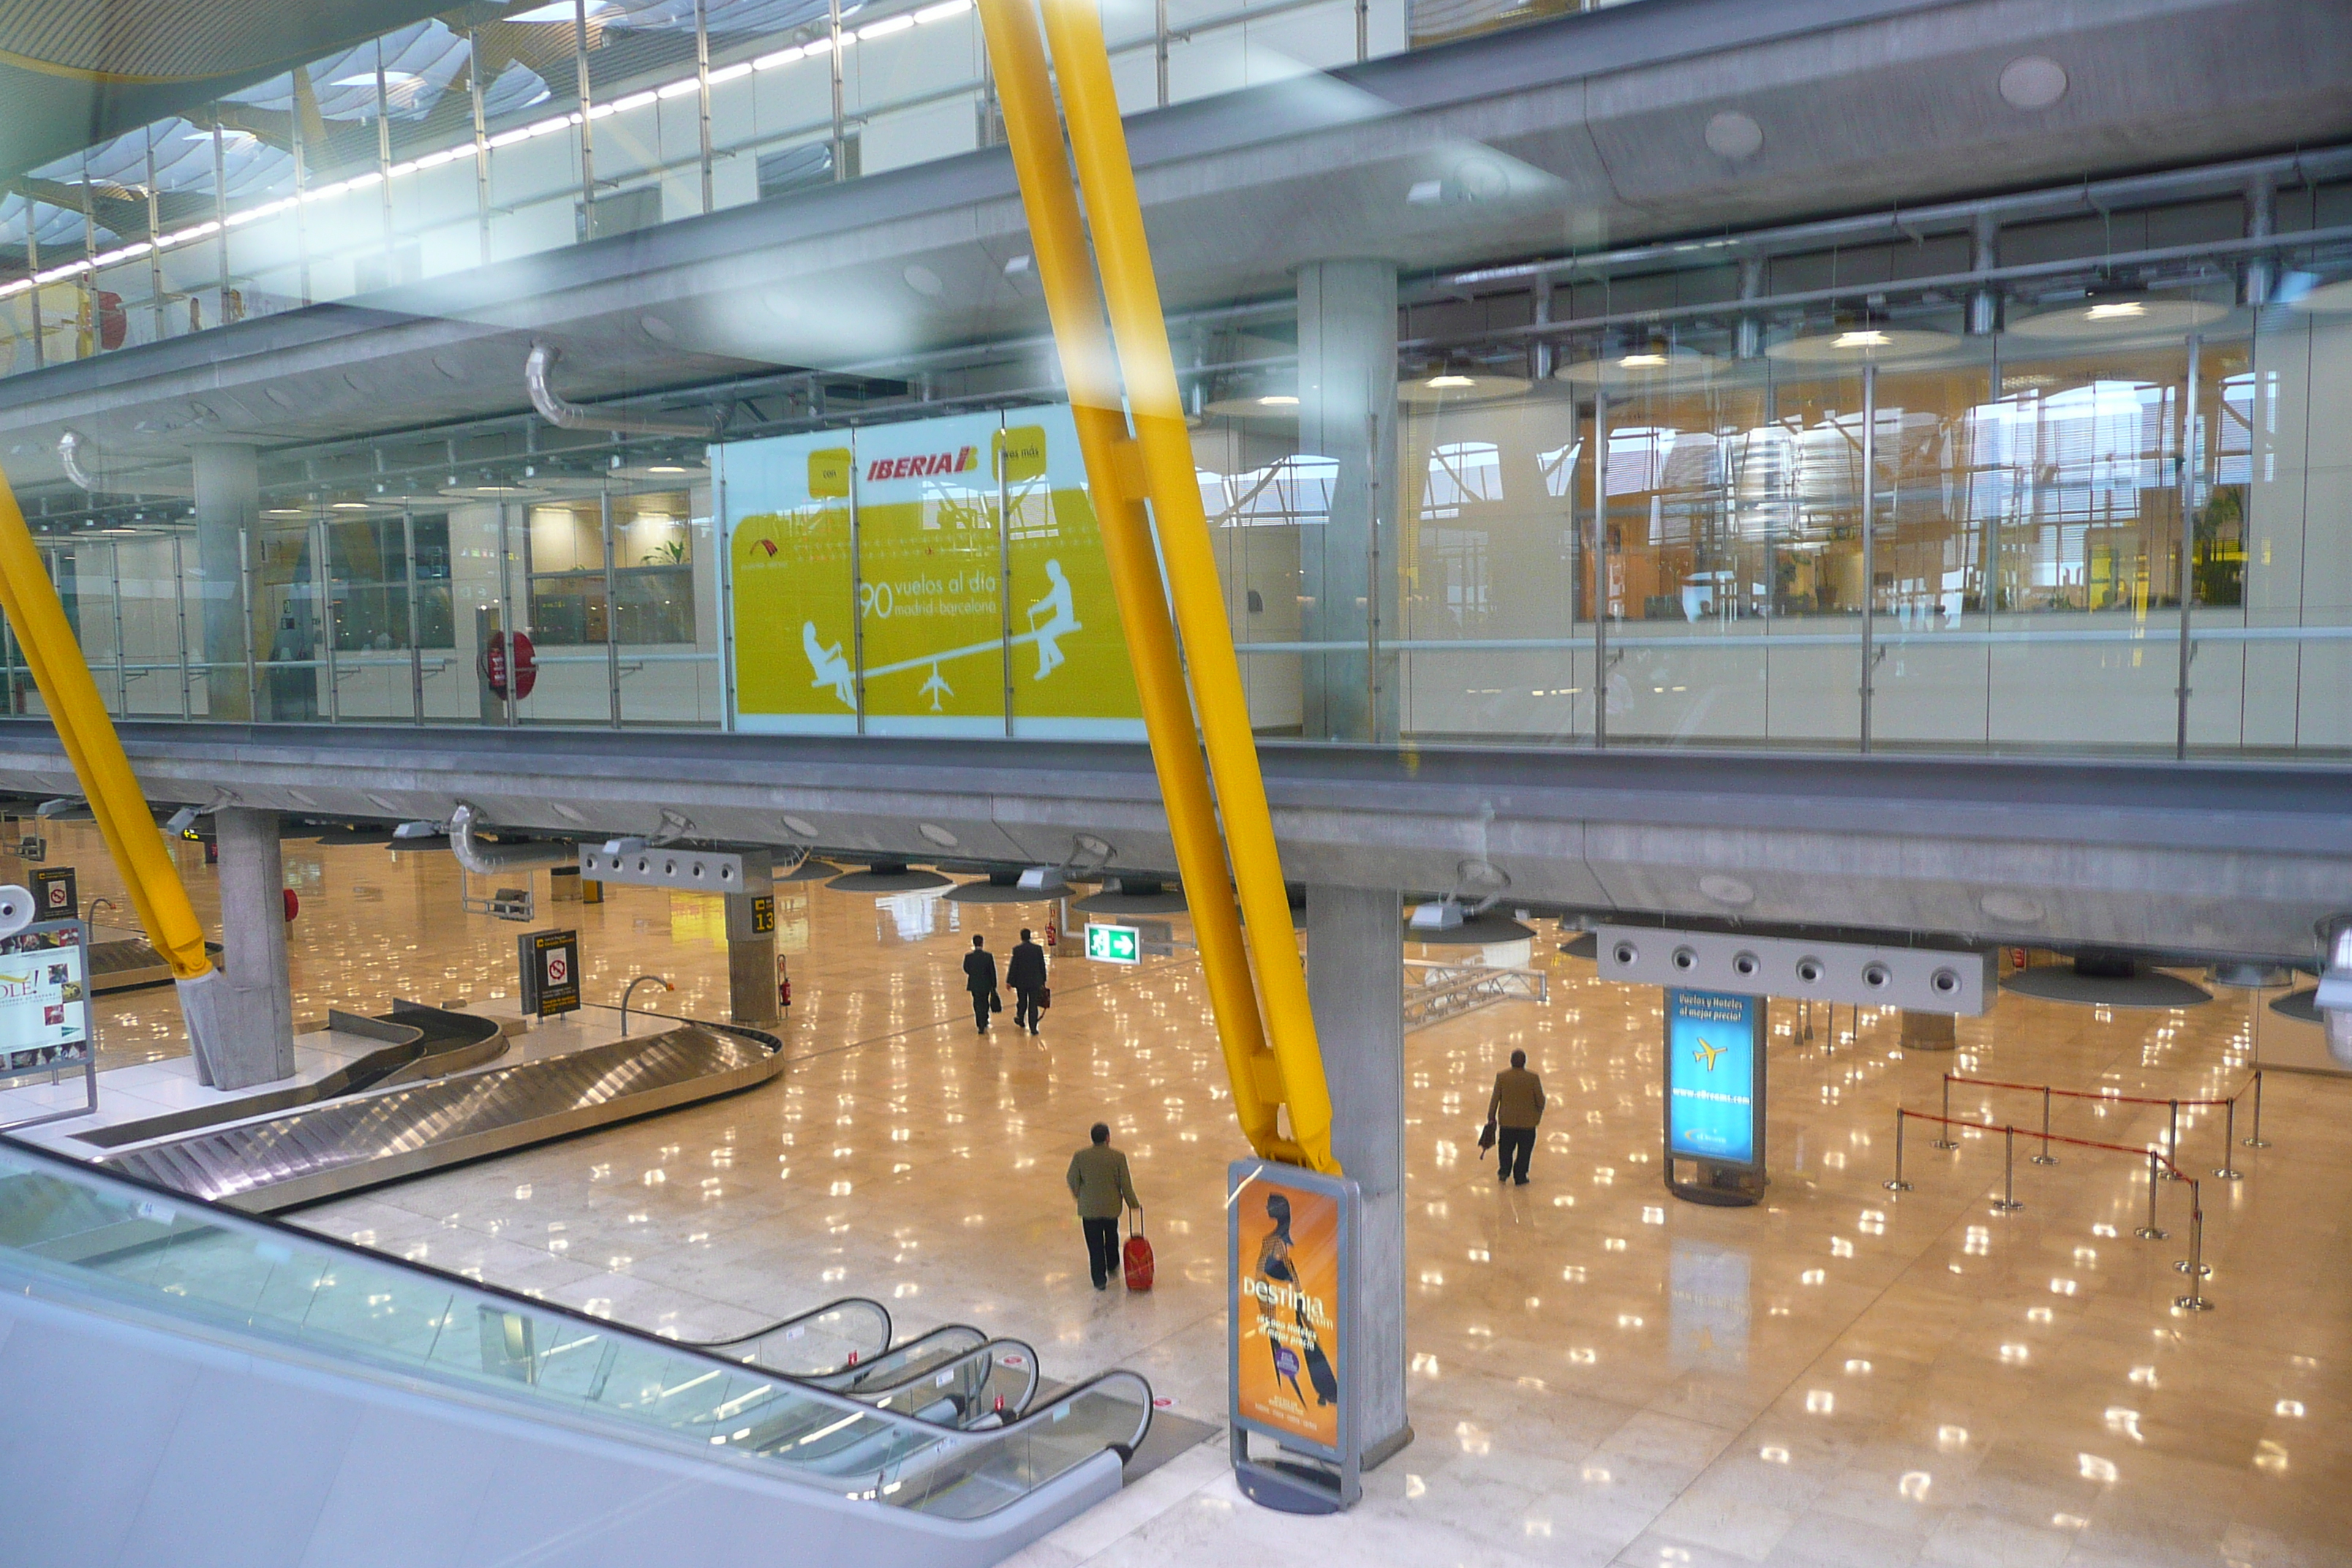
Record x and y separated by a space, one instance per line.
1599 1374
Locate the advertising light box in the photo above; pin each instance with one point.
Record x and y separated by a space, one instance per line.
1715 1078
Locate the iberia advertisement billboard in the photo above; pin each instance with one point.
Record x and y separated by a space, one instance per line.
939 577
1286 1231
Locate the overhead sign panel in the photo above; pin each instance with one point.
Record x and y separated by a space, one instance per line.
1923 979
1114 945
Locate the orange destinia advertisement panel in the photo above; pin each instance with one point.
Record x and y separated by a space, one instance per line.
1287 1309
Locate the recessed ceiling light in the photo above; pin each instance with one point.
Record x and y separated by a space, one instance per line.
1277 400
1862 338
1649 361
349 505
285 511
1453 381
2120 311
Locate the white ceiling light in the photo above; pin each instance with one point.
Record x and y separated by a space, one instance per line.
1456 386
1651 364
2119 312
2032 82
1861 343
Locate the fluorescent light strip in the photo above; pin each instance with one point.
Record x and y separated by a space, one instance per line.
815 48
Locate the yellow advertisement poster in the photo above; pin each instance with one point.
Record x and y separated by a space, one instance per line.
971 552
930 567
1287 1309
788 526
1071 680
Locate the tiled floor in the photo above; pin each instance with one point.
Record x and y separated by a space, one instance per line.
1600 1374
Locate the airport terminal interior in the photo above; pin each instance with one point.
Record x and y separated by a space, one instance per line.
579 581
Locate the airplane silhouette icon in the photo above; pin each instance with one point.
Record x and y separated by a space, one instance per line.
1705 1054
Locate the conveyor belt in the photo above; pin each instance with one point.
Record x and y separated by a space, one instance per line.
363 1140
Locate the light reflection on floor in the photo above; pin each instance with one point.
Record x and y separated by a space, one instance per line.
1600 1373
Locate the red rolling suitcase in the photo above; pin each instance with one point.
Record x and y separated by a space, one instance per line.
1137 1255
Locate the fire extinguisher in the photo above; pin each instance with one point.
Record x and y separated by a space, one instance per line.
783 985
293 905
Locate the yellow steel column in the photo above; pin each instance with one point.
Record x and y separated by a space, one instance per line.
1017 57
118 803
1098 146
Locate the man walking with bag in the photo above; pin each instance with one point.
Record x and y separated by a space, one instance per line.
980 979
1099 1181
1516 1107
1025 973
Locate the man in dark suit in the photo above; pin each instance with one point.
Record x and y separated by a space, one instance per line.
1025 973
980 979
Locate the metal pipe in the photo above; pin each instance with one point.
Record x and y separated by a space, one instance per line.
2150 1231
1944 1138
1898 1184
2258 1141
2194 1265
2228 1141
1600 568
2045 1158
632 990
573 417
2172 1144
2262 222
2007 1201
2095 197
485 859
1984 255
1869 551
2187 570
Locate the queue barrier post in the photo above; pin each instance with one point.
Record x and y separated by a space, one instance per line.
2150 1231
1898 1184
2007 1201
2228 1141
2257 1140
2045 1158
2172 1144
1944 1138
2194 1267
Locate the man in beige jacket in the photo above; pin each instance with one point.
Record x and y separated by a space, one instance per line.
1099 1181
1516 1106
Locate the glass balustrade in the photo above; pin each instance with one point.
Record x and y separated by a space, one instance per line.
72 1234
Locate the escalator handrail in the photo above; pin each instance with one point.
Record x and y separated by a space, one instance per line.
780 1324
988 1348
842 1379
950 1439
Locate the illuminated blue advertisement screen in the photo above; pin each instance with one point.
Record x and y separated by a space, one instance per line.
1711 1041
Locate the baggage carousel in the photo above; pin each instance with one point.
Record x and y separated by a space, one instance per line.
444 1087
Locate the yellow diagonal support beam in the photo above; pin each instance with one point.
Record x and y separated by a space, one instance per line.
31 601
1140 330
1033 127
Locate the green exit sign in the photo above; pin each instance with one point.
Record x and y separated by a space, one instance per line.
1114 945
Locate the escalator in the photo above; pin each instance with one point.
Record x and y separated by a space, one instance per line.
131 1315
954 1375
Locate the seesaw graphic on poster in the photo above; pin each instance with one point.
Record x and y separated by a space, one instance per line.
831 665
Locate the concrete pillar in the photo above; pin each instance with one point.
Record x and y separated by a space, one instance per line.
751 947
1355 981
228 505
751 963
254 1040
1347 578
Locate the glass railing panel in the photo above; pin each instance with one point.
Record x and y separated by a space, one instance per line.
150 1252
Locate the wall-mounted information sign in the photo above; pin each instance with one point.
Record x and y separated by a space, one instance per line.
56 893
548 963
1114 945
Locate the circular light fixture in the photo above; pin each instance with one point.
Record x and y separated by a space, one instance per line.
348 506
2032 82
1861 341
1733 135
2325 297
1459 387
1653 362
1253 406
2107 313
665 468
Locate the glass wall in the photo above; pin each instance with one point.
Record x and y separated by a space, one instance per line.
492 134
